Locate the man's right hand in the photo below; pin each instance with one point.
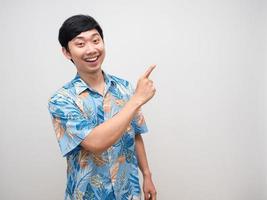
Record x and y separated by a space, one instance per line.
145 89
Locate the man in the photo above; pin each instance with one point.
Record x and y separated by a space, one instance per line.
98 122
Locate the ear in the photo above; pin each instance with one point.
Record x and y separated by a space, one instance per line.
66 53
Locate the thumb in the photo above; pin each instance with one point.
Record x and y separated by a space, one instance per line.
147 196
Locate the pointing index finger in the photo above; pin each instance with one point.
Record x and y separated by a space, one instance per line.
148 72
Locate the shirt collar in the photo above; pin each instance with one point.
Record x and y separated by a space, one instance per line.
81 86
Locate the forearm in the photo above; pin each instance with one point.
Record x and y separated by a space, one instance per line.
148 185
107 133
141 156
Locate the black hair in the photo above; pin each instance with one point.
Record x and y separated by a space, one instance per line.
74 25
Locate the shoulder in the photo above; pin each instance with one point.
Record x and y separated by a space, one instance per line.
62 103
66 92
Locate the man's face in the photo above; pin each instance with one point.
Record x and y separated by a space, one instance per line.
87 51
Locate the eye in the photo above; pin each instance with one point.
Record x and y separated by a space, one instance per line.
96 40
80 44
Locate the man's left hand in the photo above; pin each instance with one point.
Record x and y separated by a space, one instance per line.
149 188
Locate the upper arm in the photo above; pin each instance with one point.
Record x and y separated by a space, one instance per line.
70 125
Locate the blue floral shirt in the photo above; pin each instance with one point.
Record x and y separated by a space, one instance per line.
76 109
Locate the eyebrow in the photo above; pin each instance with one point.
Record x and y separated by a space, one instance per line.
81 37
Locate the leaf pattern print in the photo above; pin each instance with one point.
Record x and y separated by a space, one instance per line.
114 171
59 130
98 159
79 103
83 158
96 181
127 140
107 103
78 195
89 193
76 109
135 182
69 133
129 154
115 168
121 159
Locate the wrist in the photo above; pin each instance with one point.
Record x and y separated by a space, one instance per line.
135 102
147 174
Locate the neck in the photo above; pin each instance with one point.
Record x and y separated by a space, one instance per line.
94 80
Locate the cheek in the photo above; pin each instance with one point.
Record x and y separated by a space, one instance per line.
77 53
104 52
101 50
101 47
103 55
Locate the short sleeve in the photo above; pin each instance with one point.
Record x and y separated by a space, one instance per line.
138 122
70 125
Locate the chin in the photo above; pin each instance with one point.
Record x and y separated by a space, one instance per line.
94 69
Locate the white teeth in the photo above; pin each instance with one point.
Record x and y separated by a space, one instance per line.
91 59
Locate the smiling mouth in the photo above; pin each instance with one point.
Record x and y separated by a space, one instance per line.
93 59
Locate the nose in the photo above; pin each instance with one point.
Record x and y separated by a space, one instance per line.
90 48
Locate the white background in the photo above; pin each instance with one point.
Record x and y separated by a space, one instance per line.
207 138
